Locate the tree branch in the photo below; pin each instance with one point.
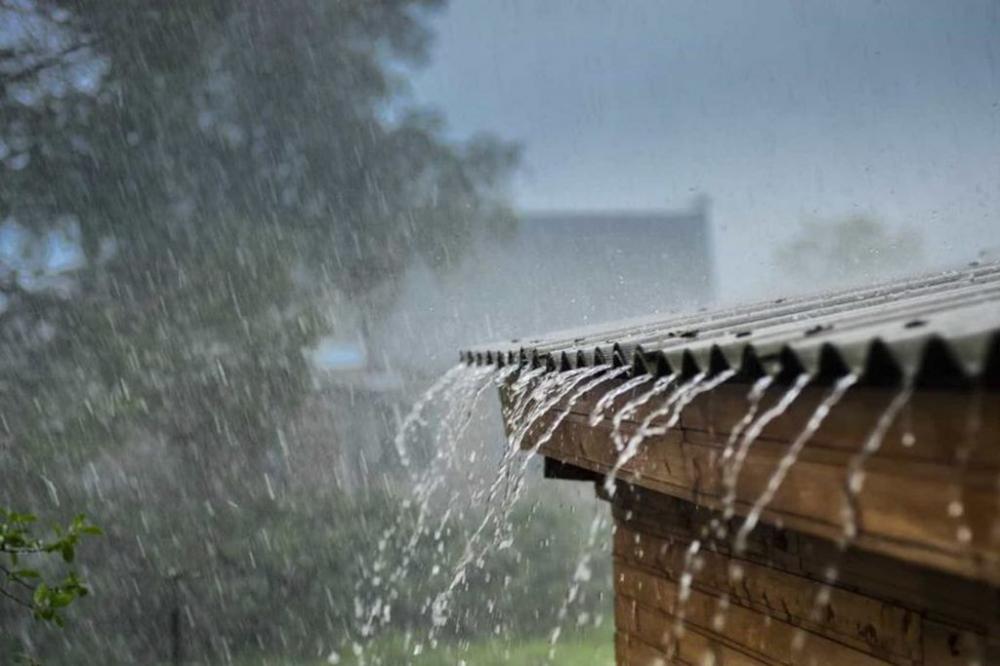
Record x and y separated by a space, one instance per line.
10 576
51 61
16 599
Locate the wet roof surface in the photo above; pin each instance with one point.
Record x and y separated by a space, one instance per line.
937 330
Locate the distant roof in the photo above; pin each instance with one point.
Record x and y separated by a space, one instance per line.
333 354
605 221
941 330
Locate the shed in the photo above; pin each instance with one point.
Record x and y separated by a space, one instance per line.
804 481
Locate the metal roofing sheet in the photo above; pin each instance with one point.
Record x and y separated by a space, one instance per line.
941 329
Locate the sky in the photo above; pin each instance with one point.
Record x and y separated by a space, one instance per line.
779 111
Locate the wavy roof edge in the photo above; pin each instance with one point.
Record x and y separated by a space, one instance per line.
940 330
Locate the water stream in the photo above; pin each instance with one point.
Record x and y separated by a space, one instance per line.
855 478
854 481
660 386
715 527
550 390
790 457
604 374
601 406
536 403
581 574
754 398
677 397
731 474
415 416
458 391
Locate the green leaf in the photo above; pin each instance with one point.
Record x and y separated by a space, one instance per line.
62 599
41 594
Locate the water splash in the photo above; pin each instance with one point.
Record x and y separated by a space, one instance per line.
414 417
698 387
551 390
573 389
545 395
581 574
688 567
716 527
684 584
559 386
459 390
522 391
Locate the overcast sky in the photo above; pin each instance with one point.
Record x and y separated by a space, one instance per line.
779 111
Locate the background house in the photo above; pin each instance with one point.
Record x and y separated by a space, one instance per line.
559 269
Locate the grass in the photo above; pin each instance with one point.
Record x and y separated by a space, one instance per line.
595 648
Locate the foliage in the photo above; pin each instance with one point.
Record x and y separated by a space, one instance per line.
850 250
591 647
25 585
234 166
595 648
221 175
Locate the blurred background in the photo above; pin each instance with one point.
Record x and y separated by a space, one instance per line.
239 238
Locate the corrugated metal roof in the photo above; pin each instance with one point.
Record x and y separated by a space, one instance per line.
941 330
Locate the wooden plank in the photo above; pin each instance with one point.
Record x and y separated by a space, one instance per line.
862 622
634 652
941 423
919 587
760 634
913 616
947 645
651 645
646 517
903 510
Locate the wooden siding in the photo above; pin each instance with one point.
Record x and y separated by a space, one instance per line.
879 612
903 508
909 591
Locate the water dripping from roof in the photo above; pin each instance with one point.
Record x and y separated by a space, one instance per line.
791 456
661 386
605 374
850 517
601 406
732 473
635 441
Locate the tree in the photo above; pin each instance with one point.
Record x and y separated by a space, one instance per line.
24 585
850 250
227 164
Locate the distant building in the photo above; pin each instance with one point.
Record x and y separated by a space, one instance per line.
559 269
591 266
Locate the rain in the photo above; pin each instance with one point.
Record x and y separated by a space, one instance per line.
417 332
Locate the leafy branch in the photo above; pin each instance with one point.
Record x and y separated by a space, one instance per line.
26 586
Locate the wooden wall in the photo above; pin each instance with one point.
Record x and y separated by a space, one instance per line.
919 584
880 611
903 508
